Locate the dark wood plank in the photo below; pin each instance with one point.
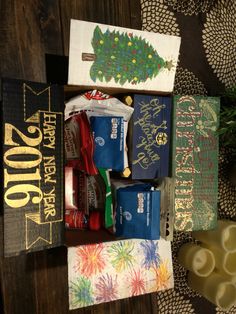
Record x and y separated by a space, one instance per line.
113 12
17 281
28 30
51 287
135 15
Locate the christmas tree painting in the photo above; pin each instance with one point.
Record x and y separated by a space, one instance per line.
123 57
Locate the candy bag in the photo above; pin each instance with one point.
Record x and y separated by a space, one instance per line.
108 135
83 149
138 212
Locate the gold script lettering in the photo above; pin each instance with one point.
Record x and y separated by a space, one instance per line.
49 200
49 169
49 130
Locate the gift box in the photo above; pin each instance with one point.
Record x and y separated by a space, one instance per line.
195 161
115 57
33 162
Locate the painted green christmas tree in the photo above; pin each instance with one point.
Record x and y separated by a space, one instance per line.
124 57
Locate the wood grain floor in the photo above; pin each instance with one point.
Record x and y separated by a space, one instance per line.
29 29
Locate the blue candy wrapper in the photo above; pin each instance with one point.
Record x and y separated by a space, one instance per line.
138 212
108 135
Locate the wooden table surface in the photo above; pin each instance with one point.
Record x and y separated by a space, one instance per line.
29 29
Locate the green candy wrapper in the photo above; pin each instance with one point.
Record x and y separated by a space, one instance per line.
108 203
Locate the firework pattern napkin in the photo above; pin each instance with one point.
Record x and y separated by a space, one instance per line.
109 271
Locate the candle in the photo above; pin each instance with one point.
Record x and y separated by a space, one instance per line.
197 259
214 288
223 236
225 261
227 277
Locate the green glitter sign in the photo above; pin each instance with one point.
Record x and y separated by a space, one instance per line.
195 162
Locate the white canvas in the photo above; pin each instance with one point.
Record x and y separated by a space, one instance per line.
166 47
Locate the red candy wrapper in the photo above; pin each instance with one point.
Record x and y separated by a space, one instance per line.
83 192
79 144
75 219
95 220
